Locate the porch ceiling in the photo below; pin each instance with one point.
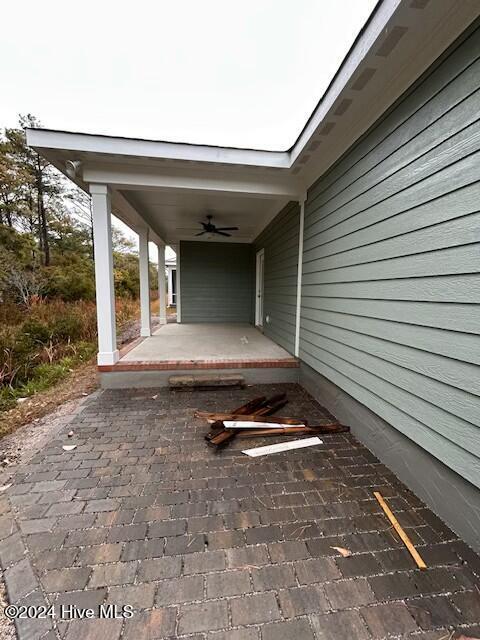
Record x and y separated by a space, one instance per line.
178 214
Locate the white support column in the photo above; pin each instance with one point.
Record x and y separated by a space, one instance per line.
104 283
178 297
170 285
299 276
145 323
162 297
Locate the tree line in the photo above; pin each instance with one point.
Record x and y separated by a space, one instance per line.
46 233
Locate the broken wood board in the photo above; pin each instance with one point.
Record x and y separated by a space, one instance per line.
247 424
282 446
220 437
205 382
211 418
345 553
281 431
396 525
256 407
250 406
292 430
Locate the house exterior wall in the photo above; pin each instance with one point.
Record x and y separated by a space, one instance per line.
217 282
280 243
391 286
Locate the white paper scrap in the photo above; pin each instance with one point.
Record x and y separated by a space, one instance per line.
238 424
282 446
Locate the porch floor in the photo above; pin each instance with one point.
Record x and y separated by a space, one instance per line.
205 342
210 545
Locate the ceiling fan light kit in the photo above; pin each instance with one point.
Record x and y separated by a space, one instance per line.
210 229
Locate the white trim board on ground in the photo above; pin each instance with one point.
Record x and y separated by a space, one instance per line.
282 446
237 424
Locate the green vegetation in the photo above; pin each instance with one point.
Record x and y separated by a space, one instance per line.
47 287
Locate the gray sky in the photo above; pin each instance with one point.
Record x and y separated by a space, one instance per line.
243 73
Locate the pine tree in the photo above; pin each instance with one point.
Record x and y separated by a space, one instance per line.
40 182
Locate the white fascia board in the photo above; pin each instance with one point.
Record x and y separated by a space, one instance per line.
91 143
195 179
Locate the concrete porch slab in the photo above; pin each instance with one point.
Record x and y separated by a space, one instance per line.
189 348
210 341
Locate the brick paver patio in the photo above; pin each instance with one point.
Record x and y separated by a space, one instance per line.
219 546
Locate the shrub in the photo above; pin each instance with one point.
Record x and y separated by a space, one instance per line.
67 329
71 282
35 332
41 344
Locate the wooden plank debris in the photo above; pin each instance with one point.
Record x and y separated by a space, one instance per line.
288 431
255 419
250 406
396 525
219 436
282 446
250 424
211 418
197 382
345 553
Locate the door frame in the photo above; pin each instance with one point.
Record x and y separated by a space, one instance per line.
259 287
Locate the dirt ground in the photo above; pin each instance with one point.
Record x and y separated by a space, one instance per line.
79 383
25 427
7 628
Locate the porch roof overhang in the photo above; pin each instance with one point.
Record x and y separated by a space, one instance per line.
168 185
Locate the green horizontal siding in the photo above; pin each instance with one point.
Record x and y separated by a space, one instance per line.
216 282
391 265
280 242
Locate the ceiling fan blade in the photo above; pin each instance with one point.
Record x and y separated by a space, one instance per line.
201 233
227 228
204 224
220 233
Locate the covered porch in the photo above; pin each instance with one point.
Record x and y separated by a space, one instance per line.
213 209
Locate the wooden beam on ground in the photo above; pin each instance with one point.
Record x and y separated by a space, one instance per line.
251 406
396 525
286 431
219 437
227 417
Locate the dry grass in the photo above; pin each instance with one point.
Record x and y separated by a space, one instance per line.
155 308
78 378
79 382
